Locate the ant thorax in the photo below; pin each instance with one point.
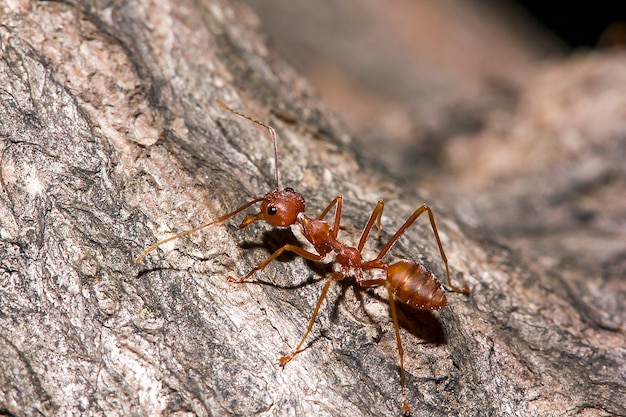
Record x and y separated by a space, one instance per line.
315 231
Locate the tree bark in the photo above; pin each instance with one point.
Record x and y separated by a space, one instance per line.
110 140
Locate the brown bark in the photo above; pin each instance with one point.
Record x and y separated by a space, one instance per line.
110 140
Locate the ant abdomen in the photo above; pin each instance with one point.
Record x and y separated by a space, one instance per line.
415 285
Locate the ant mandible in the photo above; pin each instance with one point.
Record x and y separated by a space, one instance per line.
406 281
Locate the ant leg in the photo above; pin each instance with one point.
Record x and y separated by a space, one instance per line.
405 226
339 201
291 248
396 327
374 218
332 277
374 282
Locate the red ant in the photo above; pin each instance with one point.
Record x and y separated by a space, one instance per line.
406 281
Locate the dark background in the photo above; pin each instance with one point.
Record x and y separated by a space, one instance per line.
581 24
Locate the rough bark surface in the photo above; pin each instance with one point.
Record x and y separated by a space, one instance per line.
110 140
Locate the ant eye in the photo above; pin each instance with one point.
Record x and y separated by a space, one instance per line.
289 189
271 210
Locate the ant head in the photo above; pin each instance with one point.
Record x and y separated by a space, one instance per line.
278 208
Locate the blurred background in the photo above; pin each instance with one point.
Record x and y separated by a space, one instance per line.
408 76
511 113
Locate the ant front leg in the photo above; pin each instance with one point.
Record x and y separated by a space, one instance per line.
339 201
291 248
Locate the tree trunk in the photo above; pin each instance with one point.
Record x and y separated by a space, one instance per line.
111 140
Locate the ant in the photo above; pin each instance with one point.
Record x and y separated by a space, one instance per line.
406 281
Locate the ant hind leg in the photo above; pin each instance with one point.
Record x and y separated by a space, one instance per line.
423 208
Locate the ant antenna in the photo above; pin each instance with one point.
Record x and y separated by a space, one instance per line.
231 214
195 229
269 128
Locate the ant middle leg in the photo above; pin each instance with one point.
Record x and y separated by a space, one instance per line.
334 276
375 217
291 248
405 226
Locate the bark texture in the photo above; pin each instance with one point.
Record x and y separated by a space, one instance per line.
110 140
